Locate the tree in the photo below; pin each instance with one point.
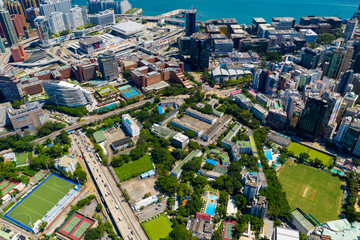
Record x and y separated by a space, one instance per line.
190 134
167 184
303 236
92 234
240 201
208 166
43 226
180 232
161 155
126 73
303 157
98 207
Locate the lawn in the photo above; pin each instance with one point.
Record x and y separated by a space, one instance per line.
106 90
157 228
134 168
36 205
314 191
21 158
297 148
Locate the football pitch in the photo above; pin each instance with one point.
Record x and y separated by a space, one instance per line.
41 200
313 191
297 148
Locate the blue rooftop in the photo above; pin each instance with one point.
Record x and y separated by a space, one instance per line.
213 162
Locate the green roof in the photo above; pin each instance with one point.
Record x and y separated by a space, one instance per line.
245 144
191 155
232 132
99 136
224 158
302 219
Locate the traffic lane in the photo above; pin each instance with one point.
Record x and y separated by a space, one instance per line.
111 204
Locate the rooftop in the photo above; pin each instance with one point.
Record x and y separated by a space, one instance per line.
99 136
191 155
128 28
302 219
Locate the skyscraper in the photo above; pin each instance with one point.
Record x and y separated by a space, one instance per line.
9 87
119 7
8 27
310 124
108 66
350 28
190 22
43 29
50 6
59 22
310 58
18 53
346 79
2 46
19 25
357 14
78 17
340 62
200 50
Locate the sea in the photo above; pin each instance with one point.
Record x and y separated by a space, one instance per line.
245 10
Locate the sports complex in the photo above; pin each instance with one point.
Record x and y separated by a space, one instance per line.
75 227
43 203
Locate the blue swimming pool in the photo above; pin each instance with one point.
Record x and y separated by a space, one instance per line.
108 107
213 197
127 94
210 209
268 155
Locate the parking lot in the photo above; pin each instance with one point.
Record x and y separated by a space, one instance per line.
113 134
137 188
152 210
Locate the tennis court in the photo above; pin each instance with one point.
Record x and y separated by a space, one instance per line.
38 202
4 183
229 227
8 188
75 227
132 92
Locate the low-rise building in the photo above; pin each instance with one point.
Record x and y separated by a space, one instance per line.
180 140
215 128
281 233
261 98
121 144
201 116
66 163
243 101
178 169
145 202
259 112
302 222
183 125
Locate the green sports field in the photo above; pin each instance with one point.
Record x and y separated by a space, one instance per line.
314 191
39 202
21 158
297 148
134 168
157 228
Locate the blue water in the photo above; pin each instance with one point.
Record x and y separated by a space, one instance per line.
245 11
268 155
213 162
108 107
213 197
160 109
210 209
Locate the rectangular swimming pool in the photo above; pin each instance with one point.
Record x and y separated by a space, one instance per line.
268 155
213 197
210 209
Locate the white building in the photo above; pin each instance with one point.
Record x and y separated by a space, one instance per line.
66 163
103 18
67 94
145 202
59 22
78 17
308 35
49 6
130 125
128 28
180 140
285 234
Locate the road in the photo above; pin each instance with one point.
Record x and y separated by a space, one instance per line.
16 228
94 118
116 205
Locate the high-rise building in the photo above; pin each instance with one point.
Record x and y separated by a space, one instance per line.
200 51
78 17
119 7
29 117
10 87
310 124
50 6
67 94
18 53
310 58
31 14
339 62
357 14
350 28
190 22
19 25
2 46
103 18
59 22
108 66
8 27
86 72
43 28
346 79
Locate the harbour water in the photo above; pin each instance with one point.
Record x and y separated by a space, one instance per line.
245 10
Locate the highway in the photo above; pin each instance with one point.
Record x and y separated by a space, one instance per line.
116 205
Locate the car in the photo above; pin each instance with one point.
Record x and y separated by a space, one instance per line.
116 206
129 227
